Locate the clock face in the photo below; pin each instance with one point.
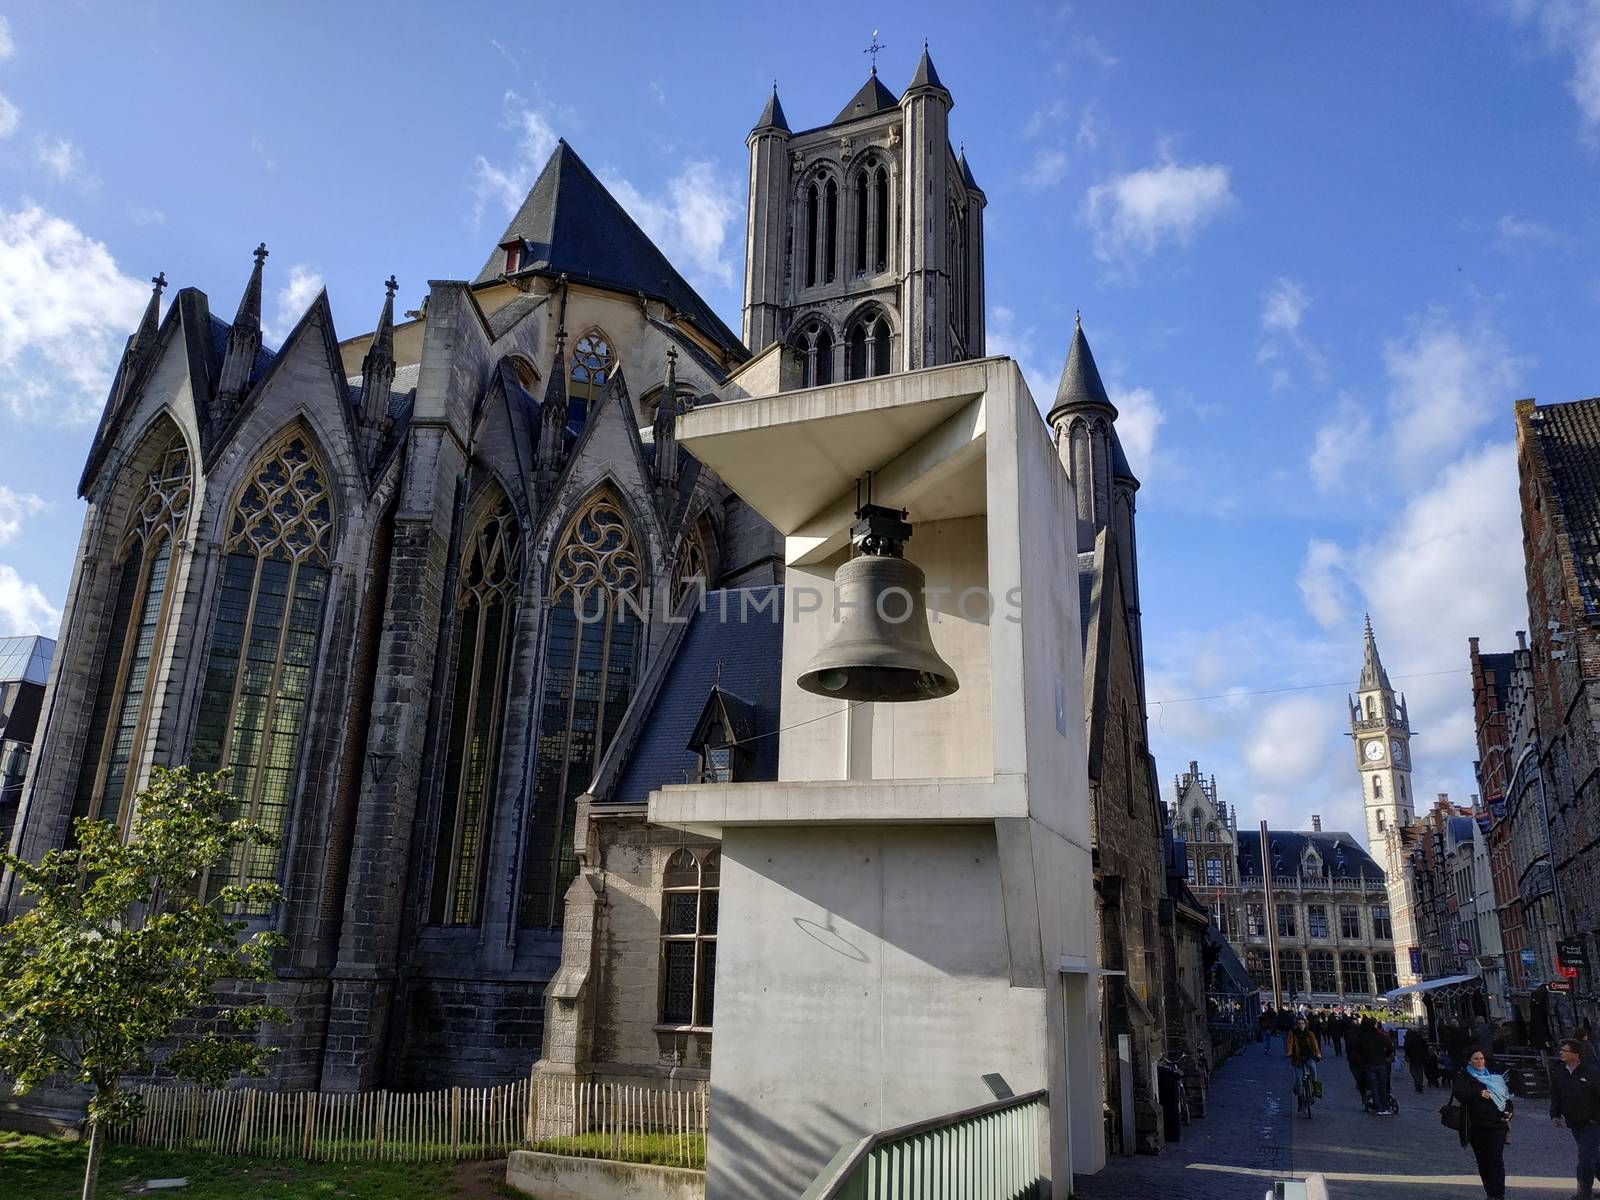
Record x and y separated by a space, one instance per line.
1397 748
1373 750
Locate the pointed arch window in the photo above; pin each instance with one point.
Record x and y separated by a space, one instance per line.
863 212
816 344
591 367
485 622
880 187
591 652
140 611
813 222
263 646
694 562
689 899
831 231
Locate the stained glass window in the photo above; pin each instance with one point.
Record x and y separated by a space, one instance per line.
591 648
689 939
591 367
264 644
694 563
485 615
139 610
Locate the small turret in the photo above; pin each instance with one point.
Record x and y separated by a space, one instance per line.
772 117
1082 418
377 381
665 431
244 343
140 343
551 453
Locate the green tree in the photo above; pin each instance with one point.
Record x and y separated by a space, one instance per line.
113 969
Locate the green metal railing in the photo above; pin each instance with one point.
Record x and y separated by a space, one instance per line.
986 1153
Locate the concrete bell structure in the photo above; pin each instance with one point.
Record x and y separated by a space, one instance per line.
910 906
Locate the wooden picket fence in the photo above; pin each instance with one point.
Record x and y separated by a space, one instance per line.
333 1126
621 1121
561 1116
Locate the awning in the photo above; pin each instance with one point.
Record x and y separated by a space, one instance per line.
1430 985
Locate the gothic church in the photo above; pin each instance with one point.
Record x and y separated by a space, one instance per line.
450 602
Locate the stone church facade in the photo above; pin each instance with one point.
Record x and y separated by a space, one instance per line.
449 601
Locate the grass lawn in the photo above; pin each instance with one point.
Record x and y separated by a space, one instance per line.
657 1149
41 1168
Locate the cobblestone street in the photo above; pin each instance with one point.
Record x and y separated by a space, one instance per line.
1251 1136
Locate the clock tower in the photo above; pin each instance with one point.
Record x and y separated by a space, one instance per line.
1382 734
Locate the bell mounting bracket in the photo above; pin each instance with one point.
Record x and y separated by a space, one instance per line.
879 530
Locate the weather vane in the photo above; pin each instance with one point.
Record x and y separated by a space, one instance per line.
873 50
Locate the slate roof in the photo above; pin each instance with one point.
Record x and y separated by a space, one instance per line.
1228 964
1498 668
749 647
1342 856
966 172
1568 436
26 659
572 225
925 75
873 98
772 115
219 348
1461 829
1080 379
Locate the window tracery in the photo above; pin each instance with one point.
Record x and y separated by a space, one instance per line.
689 901
140 607
485 616
263 644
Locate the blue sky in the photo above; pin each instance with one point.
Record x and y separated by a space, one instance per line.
1319 250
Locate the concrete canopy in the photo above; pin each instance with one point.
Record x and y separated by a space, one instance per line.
795 457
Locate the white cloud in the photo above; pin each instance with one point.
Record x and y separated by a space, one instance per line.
1512 228
15 508
508 185
1043 118
146 216
516 63
6 44
1342 444
1283 304
1572 28
1288 745
292 300
268 163
65 313
1445 384
690 222
1323 588
10 117
1093 49
24 608
1139 418
64 161
1049 167
1134 215
1090 128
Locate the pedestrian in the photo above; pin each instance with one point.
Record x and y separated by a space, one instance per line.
1336 1031
1305 1052
1575 1102
1264 1025
1355 1060
1416 1055
1377 1055
1486 1110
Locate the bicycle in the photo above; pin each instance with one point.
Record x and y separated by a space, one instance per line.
1307 1087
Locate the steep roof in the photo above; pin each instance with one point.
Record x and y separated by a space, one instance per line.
872 98
1372 673
1080 379
734 642
772 115
925 75
1568 436
1498 667
572 225
1342 856
966 172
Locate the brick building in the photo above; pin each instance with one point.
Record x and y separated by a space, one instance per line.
1558 466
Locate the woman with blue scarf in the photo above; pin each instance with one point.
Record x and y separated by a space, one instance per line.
1486 1106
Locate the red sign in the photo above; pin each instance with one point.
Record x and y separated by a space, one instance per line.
1559 985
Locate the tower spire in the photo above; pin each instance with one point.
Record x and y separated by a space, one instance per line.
244 343
665 431
146 334
1372 673
772 115
552 421
377 380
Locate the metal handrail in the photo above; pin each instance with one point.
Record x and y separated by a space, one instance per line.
841 1171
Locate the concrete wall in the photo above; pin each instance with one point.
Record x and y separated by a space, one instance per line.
558 1177
853 996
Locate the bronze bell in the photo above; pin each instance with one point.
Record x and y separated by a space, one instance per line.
881 649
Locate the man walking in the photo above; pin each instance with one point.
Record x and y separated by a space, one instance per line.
1415 1049
1575 1101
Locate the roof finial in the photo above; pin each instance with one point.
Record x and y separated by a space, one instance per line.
1077 318
160 280
391 286
261 254
872 49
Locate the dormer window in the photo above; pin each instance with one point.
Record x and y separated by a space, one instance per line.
722 737
515 255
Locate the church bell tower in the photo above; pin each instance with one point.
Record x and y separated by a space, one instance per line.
1382 735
